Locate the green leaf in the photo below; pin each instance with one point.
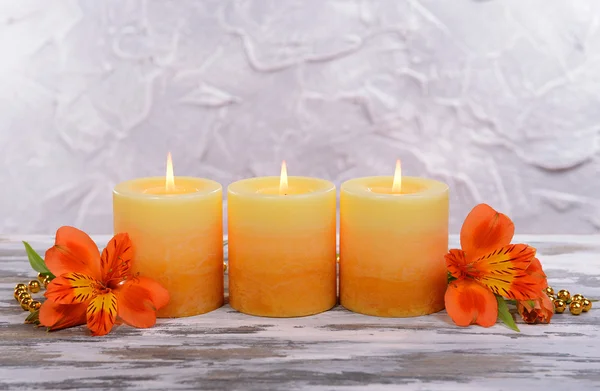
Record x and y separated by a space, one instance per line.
36 262
33 318
531 303
450 277
505 315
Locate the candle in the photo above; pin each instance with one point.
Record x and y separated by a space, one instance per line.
176 227
282 245
393 238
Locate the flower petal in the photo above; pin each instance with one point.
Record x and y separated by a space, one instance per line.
101 313
138 299
116 259
456 263
73 251
71 288
535 269
158 294
60 316
485 230
539 310
468 302
504 272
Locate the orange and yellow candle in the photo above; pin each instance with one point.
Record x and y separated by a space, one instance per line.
175 224
282 256
393 238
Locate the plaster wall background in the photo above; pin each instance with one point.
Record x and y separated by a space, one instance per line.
499 99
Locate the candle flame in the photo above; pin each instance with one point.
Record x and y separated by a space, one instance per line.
283 179
170 180
397 184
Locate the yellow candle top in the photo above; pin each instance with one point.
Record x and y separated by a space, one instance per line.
269 187
154 188
167 186
381 187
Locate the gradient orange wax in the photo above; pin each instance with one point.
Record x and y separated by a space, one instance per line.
392 246
282 247
177 237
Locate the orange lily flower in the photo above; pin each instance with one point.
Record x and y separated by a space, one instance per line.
488 265
96 289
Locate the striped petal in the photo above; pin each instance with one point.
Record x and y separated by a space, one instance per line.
468 302
116 259
71 288
73 251
101 313
504 272
485 230
456 263
61 316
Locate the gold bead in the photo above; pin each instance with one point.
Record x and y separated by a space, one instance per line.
559 306
34 286
577 297
41 277
564 295
576 307
34 305
18 292
46 282
549 291
23 296
224 266
20 287
587 305
25 303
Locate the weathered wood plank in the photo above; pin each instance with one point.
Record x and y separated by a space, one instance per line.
334 350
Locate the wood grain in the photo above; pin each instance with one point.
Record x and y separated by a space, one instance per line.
333 350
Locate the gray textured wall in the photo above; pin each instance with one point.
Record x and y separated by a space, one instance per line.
500 99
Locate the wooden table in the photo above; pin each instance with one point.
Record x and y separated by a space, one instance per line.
335 350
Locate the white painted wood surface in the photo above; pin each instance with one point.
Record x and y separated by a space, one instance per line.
335 350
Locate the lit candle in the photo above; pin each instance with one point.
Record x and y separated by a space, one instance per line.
393 238
175 224
282 245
